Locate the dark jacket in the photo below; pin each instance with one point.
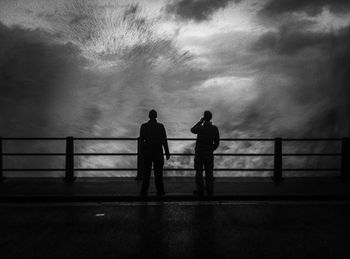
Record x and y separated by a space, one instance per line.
153 138
208 138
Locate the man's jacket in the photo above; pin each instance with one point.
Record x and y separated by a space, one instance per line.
208 138
153 138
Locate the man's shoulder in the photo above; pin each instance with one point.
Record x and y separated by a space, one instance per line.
214 127
158 124
152 124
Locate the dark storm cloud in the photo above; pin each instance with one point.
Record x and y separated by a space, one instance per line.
289 42
197 10
35 92
308 74
311 7
31 68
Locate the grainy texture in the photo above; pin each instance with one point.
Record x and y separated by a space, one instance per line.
175 230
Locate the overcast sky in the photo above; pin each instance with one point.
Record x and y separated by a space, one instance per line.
95 68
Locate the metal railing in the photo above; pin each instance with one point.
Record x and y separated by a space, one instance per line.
277 155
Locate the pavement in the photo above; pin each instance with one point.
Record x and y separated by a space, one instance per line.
106 218
195 229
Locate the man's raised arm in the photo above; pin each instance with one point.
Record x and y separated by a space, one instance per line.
196 128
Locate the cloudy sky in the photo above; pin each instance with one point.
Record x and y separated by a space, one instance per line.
95 68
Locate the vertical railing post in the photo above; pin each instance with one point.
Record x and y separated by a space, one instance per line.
345 159
139 160
69 160
1 164
277 171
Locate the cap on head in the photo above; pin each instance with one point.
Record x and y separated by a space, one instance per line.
207 116
152 114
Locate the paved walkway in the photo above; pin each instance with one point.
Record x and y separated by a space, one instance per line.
114 189
175 230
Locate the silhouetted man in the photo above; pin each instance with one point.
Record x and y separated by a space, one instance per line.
208 140
153 138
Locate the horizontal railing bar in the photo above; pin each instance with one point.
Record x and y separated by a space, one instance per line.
108 138
225 139
105 154
183 139
33 138
105 169
311 169
311 154
129 169
33 154
173 154
111 138
32 169
311 139
223 169
134 139
225 154
166 169
173 169
173 139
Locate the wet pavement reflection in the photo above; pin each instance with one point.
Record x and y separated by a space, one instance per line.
175 230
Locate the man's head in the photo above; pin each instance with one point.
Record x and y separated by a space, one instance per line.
207 116
152 114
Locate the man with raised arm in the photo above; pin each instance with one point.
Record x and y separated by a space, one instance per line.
153 139
208 140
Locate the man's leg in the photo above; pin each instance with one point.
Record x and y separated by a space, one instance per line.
209 178
146 176
198 166
158 175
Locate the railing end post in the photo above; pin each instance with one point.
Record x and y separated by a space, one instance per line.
69 176
139 161
277 170
345 159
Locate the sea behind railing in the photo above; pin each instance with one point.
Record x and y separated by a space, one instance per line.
72 157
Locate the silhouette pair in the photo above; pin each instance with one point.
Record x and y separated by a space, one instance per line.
153 139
